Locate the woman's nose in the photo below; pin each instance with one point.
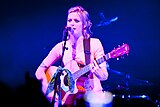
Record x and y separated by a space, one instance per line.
72 23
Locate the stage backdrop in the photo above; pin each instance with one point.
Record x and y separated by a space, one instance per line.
29 29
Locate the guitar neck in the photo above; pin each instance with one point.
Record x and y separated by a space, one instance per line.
88 67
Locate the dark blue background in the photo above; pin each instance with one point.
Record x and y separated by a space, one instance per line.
30 28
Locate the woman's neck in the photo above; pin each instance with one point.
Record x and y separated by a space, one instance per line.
75 40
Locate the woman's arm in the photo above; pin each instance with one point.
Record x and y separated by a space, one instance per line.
50 59
99 70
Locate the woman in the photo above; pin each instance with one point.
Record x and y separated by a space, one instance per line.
78 25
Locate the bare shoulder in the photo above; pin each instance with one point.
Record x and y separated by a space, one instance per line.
95 41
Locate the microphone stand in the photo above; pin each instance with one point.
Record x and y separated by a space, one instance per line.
57 85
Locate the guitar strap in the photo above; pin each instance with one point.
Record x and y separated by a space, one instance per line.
83 82
86 44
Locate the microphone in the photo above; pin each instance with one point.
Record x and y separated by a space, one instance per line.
70 29
65 32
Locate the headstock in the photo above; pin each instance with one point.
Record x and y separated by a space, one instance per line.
120 51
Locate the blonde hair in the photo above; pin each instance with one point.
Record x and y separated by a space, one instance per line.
86 23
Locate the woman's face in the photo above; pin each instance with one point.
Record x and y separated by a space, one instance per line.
75 23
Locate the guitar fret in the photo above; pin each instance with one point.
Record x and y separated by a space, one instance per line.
100 60
81 71
107 56
87 67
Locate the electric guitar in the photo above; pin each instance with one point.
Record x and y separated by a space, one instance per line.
77 72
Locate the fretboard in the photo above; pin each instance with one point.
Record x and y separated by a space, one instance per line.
88 67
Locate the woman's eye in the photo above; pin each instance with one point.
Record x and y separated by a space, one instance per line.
69 20
76 20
